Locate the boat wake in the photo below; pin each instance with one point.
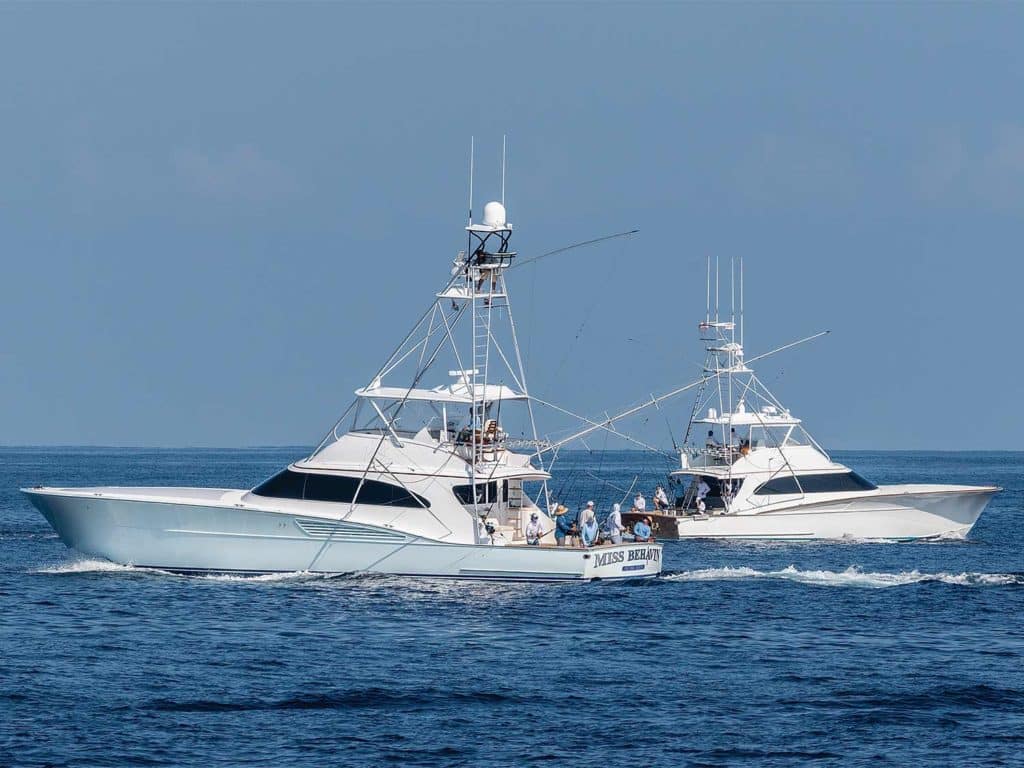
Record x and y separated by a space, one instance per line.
96 565
851 577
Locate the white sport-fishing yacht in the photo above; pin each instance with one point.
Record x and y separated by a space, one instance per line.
424 480
749 470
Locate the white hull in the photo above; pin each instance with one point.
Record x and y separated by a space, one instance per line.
894 512
209 537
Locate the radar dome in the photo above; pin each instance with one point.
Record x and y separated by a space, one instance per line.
494 214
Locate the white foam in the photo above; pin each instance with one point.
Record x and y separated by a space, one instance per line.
86 566
263 577
90 565
851 577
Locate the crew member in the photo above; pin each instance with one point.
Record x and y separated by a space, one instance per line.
534 531
639 502
660 499
613 525
565 525
702 491
589 530
642 530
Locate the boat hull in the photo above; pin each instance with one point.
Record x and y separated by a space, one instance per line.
204 538
898 515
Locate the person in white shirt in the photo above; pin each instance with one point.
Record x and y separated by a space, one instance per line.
660 498
613 525
534 532
702 491
640 503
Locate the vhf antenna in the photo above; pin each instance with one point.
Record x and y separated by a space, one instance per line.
470 181
503 138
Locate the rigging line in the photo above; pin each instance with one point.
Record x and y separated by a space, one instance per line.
559 495
565 248
675 445
605 425
532 316
383 435
587 315
609 483
594 426
630 490
391 357
604 451
522 377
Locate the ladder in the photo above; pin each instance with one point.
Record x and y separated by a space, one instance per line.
481 344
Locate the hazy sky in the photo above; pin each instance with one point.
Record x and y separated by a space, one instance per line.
216 219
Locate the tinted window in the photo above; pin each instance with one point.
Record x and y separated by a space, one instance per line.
313 487
830 483
284 485
485 492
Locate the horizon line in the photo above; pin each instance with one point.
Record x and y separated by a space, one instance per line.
283 447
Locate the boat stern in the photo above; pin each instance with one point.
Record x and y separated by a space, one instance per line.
622 561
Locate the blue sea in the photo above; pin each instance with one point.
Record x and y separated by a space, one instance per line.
740 654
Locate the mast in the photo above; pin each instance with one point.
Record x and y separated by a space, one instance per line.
743 402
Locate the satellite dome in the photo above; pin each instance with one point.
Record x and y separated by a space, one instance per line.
494 214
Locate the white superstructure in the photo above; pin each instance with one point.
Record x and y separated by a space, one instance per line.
749 470
419 477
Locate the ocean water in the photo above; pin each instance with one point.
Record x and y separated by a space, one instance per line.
740 654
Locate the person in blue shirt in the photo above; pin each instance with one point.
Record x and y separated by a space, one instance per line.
590 530
642 530
565 525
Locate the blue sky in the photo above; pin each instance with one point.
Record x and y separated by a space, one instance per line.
215 219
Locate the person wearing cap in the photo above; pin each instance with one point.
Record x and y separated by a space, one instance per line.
642 530
613 525
534 531
590 530
565 525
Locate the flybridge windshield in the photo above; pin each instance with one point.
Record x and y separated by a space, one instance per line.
406 418
443 422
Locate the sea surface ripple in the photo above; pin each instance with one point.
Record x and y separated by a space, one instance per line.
850 653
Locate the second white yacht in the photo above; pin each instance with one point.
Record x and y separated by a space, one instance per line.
749 470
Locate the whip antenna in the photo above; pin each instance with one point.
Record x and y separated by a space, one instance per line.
471 181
